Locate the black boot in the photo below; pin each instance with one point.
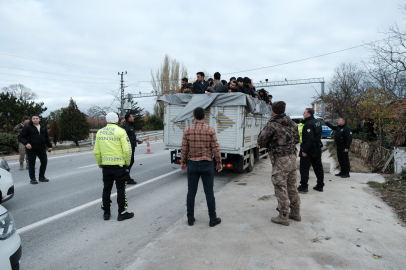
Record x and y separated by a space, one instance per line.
191 221
43 179
302 189
345 175
318 188
125 215
33 181
106 215
215 222
131 182
338 174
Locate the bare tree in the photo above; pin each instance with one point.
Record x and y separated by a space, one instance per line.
166 80
20 91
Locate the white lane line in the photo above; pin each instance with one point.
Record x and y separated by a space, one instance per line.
87 166
87 152
79 208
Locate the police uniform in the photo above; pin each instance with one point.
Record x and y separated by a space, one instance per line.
133 140
311 145
343 139
112 151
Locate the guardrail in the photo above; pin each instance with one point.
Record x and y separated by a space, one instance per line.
145 134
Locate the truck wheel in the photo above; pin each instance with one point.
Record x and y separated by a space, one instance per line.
250 167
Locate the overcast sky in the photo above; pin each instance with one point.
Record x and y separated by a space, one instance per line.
91 41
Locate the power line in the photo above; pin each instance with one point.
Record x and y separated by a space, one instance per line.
50 61
57 73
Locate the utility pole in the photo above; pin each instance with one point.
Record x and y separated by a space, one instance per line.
323 106
122 92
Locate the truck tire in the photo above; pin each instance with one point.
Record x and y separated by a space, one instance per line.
250 167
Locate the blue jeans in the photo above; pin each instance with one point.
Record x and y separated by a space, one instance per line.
195 170
43 158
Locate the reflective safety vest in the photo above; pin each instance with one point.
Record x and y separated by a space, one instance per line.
300 127
112 146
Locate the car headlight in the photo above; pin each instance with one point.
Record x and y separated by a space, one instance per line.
7 227
4 165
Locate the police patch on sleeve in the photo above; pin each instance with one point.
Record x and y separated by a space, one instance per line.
308 130
351 133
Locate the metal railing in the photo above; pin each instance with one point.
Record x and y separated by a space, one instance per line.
153 136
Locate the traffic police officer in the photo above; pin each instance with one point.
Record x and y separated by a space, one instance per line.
310 152
343 139
129 119
112 151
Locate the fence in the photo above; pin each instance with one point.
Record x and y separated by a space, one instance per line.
375 156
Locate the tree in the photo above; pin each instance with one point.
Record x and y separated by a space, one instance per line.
166 80
136 112
55 132
12 110
97 116
74 125
376 105
20 91
154 123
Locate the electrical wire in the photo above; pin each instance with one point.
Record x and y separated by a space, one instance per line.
53 79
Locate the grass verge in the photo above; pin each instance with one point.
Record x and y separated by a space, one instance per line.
394 194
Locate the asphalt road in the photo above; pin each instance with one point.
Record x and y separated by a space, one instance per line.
81 239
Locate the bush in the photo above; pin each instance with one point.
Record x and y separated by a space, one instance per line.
8 143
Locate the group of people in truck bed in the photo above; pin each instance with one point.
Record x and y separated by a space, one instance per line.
216 85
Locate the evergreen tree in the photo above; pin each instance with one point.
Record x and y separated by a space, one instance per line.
73 123
55 132
137 112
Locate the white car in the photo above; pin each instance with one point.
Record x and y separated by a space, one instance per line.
6 182
10 242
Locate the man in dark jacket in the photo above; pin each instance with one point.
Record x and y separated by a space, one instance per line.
21 147
310 152
128 126
280 135
343 139
200 86
35 138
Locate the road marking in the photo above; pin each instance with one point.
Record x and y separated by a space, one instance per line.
87 152
79 208
88 166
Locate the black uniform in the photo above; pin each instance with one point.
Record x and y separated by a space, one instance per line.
311 145
133 140
343 139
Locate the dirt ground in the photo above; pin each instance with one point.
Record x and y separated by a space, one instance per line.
357 164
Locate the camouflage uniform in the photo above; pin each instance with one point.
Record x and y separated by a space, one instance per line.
21 147
280 136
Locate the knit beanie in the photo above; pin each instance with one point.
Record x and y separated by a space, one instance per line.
279 107
112 118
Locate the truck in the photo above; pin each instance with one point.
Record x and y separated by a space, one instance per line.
236 117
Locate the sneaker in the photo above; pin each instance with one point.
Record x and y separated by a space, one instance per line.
43 179
106 215
338 174
302 189
131 182
345 176
191 221
33 181
318 188
215 222
125 215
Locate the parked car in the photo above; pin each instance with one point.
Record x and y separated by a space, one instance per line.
326 130
6 182
10 242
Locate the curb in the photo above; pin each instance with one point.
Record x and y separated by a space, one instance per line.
53 153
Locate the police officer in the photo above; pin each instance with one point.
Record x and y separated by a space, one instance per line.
129 119
112 151
343 139
310 152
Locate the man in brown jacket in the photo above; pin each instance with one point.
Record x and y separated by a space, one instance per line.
199 144
21 147
280 136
